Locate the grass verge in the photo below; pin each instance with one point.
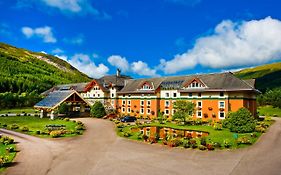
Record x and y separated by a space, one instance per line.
269 111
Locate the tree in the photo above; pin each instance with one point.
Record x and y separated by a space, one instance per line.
184 109
97 110
240 121
64 108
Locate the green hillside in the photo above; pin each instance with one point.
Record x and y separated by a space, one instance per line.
25 71
267 76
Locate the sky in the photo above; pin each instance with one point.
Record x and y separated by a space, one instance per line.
147 38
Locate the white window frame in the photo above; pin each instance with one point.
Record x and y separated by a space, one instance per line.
123 102
220 104
141 110
220 115
197 112
129 110
174 95
141 101
128 102
167 112
167 105
148 111
167 94
200 105
148 101
123 110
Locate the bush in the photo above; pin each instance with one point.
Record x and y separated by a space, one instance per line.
203 141
4 125
38 132
10 149
7 140
144 137
185 144
56 133
66 119
192 143
240 121
217 145
127 134
244 140
80 127
3 160
217 126
227 144
97 110
174 142
210 146
14 126
24 129
202 147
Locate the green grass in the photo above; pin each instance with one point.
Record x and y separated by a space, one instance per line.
269 111
18 111
214 135
3 152
37 124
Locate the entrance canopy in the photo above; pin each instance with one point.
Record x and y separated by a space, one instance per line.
54 99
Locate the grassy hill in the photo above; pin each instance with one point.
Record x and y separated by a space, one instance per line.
267 76
25 71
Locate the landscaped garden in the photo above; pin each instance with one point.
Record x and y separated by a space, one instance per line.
7 151
239 130
269 110
20 111
43 127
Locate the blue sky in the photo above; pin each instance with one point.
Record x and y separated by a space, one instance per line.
146 38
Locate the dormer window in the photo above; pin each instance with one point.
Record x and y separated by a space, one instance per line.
146 86
195 83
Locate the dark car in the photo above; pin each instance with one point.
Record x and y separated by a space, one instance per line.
128 119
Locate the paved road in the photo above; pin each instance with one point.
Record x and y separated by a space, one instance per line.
100 151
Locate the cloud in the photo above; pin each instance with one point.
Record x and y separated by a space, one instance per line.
232 44
141 68
83 63
66 7
185 2
119 62
78 40
41 32
57 51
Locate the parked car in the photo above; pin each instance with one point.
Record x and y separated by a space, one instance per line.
128 119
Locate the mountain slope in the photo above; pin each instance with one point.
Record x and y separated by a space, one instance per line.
25 71
267 76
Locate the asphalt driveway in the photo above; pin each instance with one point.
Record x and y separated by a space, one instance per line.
100 151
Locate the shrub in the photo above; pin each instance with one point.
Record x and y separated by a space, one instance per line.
7 140
227 144
120 125
66 119
10 149
244 140
24 129
80 127
210 146
127 134
217 126
14 126
192 143
97 110
144 137
3 160
203 141
241 121
38 132
202 147
56 133
4 125
185 144
64 108
79 123
260 129
174 142
217 145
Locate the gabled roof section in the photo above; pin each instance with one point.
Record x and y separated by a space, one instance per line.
194 83
146 85
54 99
93 83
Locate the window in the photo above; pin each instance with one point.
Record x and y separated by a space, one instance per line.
167 103
148 111
123 102
174 94
190 94
167 94
129 110
146 87
142 103
221 94
199 94
148 102
112 95
98 95
129 102
147 132
221 115
199 114
129 95
123 110
221 104
142 111
123 95
167 111
199 104
195 84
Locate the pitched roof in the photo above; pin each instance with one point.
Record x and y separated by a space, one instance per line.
216 81
79 87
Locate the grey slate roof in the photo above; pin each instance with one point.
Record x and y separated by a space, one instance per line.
79 87
216 81
54 98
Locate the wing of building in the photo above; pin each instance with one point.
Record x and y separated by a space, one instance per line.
214 94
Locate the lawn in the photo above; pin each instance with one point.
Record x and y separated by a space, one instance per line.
37 126
219 136
18 111
8 155
269 111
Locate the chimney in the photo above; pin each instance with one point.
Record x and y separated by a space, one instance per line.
118 72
